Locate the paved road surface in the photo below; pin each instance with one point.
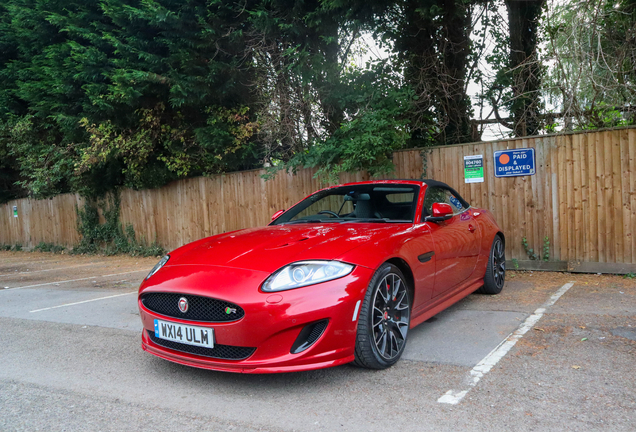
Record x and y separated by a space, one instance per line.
71 360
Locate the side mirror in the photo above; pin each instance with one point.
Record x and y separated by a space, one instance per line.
278 213
441 212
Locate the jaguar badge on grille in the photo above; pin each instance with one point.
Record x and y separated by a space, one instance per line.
183 304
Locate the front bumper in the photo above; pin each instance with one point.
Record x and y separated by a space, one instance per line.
272 321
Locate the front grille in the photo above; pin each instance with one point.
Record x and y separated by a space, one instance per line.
225 352
199 308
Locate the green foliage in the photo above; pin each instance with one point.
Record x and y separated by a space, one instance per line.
376 108
602 116
551 126
179 151
9 172
515 262
546 249
590 56
44 166
545 256
530 252
630 276
5 247
96 95
49 247
17 247
137 93
109 238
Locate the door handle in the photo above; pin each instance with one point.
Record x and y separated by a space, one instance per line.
471 228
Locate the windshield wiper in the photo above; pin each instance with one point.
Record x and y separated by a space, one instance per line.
310 221
373 220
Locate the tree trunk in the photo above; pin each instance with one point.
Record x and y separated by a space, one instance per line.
453 97
523 22
435 51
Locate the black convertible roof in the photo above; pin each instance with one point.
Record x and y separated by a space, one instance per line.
429 182
432 182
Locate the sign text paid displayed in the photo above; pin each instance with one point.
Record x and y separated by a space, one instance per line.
518 162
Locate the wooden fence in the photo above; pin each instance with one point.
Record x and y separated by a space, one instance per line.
583 199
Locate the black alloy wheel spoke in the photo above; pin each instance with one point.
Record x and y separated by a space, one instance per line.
387 297
399 306
402 328
394 345
396 286
383 339
377 319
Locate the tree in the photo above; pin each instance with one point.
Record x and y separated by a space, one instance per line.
432 39
131 93
591 62
9 174
524 66
318 110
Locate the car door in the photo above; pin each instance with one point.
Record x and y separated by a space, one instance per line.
419 250
456 240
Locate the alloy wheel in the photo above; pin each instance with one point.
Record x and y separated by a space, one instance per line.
391 316
499 262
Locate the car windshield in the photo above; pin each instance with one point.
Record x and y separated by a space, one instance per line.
376 203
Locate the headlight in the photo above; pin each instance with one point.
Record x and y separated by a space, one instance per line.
305 273
160 264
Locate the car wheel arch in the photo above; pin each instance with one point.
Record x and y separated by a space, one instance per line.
487 241
407 272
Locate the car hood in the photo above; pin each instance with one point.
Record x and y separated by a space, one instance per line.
269 248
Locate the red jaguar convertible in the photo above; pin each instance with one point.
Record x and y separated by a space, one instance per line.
339 277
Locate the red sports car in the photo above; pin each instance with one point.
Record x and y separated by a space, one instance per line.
339 277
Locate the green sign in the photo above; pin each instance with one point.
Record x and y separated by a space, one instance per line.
474 169
15 211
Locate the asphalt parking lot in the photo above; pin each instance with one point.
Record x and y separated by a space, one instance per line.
546 354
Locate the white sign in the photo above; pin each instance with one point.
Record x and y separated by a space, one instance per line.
474 169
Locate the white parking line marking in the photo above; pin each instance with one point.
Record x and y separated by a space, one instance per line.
53 269
355 312
453 397
73 280
85 301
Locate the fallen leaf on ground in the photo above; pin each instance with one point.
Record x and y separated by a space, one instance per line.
583 340
576 367
539 329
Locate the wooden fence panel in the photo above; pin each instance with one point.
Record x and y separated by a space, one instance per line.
52 220
582 198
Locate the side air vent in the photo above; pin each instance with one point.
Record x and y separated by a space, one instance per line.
308 335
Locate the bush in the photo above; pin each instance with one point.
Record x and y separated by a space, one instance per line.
109 238
49 247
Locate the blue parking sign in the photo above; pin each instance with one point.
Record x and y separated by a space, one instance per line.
511 163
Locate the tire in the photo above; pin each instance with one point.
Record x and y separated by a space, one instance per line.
496 269
384 320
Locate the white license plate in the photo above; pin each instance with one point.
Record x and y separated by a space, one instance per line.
185 334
